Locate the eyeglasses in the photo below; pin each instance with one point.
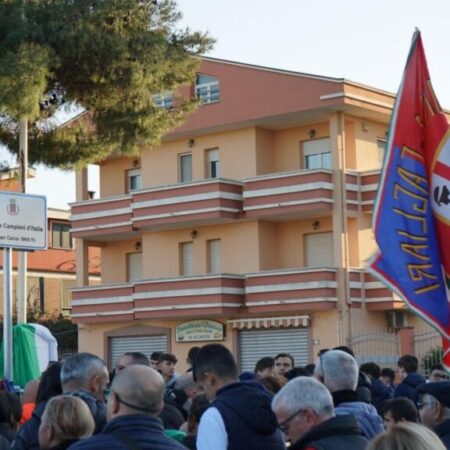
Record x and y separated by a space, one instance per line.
442 376
420 405
284 426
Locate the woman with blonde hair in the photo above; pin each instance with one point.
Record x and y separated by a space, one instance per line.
407 436
65 420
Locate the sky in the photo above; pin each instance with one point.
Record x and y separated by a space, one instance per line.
366 41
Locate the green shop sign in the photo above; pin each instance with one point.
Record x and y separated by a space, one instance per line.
200 330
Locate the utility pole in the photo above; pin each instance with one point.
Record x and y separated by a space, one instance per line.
22 265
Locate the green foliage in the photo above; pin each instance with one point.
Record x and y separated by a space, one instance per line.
109 57
433 356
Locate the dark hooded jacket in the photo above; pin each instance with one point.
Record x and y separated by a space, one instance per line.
443 431
27 437
337 433
249 420
380 394
408 387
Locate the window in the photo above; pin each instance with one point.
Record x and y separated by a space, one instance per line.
163 100
316 154
185 167
319 250
214 252
134 266
381 150
187 258
213 168
207 89
133 180
61 235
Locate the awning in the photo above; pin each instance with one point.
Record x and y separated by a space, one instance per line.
269 322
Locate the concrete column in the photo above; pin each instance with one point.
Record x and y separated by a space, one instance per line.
340 231
81 247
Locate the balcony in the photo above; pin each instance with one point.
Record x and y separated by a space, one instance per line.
291 290
104 218
187 204
369 188
178 297
176 206
291 195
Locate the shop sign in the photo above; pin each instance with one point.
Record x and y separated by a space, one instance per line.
200 330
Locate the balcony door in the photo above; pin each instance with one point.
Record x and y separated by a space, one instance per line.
319 250
317 154
134 266
187 258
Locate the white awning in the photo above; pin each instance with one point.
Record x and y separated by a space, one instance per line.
269 322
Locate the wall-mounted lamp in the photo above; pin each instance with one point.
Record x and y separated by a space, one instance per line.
191 143
315 225
194 234
365 126
138 246
311 133
136 163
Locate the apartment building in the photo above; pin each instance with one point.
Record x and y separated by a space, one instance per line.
250 225
51 272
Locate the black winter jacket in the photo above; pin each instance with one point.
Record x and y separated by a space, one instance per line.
27 437
337 433
146 430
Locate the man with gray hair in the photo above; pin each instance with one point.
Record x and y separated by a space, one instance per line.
134 402
338 371
306 415
83 375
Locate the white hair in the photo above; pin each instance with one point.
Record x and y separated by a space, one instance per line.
304 393
338 370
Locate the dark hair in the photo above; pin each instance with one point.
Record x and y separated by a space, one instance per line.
264 363
167 357
401 408
310 368
344 348
409 363
155 356
217 359
271 383
10 409
388 372
296 372
371 368
199 405
436 367
138 358
50 384
192 354
285 355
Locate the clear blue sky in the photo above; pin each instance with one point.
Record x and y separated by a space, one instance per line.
364 41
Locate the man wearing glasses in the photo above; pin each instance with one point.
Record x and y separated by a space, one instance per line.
434 408
305 413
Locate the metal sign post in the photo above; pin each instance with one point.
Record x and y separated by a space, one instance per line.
23 225
7 314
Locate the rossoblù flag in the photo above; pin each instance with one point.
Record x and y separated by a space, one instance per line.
412 210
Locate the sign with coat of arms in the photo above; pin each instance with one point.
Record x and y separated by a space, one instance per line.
23 221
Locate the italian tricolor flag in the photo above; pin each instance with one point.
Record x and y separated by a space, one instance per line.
33 348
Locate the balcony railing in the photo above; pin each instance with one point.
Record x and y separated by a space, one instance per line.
178 297
291 194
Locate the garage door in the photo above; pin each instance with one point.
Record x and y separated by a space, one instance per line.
255 344
144 344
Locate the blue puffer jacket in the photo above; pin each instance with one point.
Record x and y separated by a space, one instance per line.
366 415
249 420
146 430
408 387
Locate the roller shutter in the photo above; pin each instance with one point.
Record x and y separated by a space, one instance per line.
255 344
144 344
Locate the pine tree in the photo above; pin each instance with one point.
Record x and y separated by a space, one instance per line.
109 57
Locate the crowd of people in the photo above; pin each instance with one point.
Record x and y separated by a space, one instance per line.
143 403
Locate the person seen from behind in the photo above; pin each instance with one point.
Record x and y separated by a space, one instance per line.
411 380
65 421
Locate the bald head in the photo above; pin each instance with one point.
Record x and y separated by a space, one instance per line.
136 389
